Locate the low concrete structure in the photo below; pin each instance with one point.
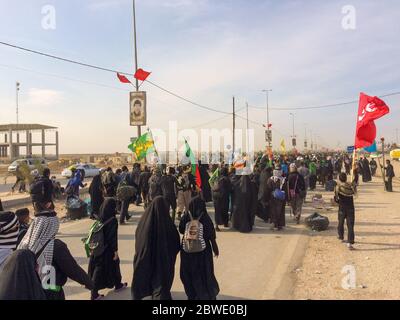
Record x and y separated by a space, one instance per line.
11 144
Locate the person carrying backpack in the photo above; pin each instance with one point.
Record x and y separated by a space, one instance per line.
41 191
296 191
276 197
104 264
126 194
53 254
198 244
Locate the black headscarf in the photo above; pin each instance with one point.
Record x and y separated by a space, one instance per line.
197 207
19 279
157 244
108 209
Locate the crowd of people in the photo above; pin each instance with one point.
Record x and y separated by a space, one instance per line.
35 264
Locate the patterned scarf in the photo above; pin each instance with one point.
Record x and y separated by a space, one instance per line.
41 230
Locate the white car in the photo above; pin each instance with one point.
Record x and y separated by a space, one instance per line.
90 170
32 163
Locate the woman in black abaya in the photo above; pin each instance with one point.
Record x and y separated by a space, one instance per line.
205 184
96 195
157 244
221 195
244 204
105 269
19 279
197 269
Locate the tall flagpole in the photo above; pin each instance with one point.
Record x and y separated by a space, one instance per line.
139 129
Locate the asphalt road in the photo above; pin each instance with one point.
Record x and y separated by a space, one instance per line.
257 265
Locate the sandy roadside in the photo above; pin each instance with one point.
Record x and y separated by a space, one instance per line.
375 260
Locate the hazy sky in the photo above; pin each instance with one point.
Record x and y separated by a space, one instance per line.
205 50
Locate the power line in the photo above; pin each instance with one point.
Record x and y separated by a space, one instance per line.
110 70
323 106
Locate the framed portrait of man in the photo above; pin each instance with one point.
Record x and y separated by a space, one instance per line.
137 112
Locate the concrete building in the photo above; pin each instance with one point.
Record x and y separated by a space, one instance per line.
15 138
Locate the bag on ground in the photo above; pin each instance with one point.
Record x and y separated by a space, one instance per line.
317 222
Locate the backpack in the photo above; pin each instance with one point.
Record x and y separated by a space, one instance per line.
36 190
278 193
125 191
94 242
193 238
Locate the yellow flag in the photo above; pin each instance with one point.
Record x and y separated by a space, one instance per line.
283 147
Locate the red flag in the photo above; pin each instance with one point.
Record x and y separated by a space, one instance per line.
141 74
122 78
369 109
270 125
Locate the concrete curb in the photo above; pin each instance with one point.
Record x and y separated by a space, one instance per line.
27 200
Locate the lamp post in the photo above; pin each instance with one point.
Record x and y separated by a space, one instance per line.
267 91
293 135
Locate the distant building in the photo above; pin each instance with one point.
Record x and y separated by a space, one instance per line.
17 138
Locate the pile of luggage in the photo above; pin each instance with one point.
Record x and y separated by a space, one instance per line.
317 222
76 208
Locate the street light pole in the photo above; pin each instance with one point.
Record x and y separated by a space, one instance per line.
268 123
17 93
293 136
136 55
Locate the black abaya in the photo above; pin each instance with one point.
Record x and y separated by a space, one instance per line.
197 269
96 194
104 270
262 199
157 244
205 185
243 205
366 170
221 200
19 279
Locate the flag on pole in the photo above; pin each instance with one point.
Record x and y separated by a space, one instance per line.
372 148
283 146
123 79
142 75
214 177
143 146
369 109
195 168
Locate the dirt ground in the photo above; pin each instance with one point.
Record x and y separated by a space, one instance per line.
376 255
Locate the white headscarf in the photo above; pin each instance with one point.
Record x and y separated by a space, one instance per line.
41 230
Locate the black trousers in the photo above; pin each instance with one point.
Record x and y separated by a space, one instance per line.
389 184
348 215
124 210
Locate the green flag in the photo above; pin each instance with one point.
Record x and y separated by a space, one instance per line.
214 177
142 146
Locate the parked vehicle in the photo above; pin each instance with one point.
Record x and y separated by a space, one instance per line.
89 169
32 163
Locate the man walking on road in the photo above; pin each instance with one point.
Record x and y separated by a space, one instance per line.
344 192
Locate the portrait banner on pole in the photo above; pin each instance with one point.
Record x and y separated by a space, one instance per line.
137 104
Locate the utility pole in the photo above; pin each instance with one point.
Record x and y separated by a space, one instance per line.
247 127
139 129
17 93
305 136
268 123
293 136
233 125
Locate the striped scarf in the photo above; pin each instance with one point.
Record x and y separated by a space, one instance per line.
8 230
41 230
